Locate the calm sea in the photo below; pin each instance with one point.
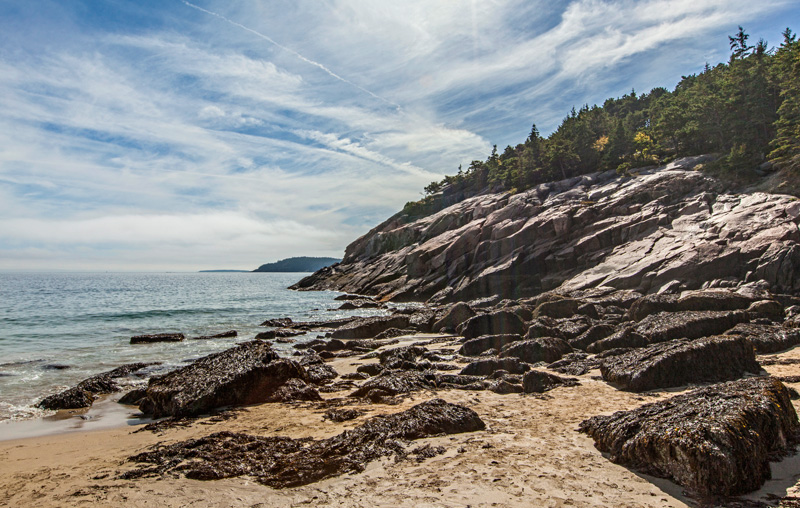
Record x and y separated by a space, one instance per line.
59 328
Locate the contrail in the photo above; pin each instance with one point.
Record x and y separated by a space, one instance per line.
295 53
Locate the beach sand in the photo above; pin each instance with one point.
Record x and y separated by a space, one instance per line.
529 455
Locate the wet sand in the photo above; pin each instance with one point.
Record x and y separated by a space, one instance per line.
529 455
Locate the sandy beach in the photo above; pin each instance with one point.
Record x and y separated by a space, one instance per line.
529 455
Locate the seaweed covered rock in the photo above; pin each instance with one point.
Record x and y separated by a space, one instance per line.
688 324
593 334
543 349
71 398
367 328
537 381
85 393
157 337
391 382
557 308
767 339
487 366
681 361
503 322
625 337
478 345
246 374
281 462
717 440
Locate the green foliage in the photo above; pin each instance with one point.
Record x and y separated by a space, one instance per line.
748 110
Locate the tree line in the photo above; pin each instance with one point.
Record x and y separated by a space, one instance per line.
746 110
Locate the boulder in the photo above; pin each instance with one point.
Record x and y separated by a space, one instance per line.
653 304
494 323
391 382
767 339
688 324
295 389
157 337
367 328
85 393
249 373
592 335
277 323
223 335
536 381
407 353
713 299
72 398
321 373
476 346
281 462
680 362
543 327
557 308
542 349
627 337
487 366
716 440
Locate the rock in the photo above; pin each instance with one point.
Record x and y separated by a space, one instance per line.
281 462
392 333
575 364
713 299
560 308
249 373
716 440
494 323
689 324
487 366
223 335
592 335
653 304
680 362
770 309
665 227
330 345
277 323
543 327
767 339
476 346
542 349
626 337
158 337
504 387
371 369
572 328
369 327
320 373
342 414
391 382
55 366
294 389
407 353
85 393
359 304
536 381
72 398
133 397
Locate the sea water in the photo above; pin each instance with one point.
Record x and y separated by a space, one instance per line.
57 329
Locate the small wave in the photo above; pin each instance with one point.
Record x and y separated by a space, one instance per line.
14 413
19 363
156 313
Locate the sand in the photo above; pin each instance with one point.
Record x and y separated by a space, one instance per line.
529 455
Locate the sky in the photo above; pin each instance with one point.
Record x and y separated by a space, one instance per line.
143 135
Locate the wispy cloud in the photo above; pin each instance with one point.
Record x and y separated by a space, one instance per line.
218 134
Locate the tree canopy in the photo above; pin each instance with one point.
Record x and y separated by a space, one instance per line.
746 110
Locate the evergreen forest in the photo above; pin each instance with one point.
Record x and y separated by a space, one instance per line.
747 111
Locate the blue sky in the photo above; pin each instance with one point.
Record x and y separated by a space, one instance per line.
175 135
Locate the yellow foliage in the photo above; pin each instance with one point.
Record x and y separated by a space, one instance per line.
601 143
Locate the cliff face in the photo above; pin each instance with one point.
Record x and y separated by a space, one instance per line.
668 228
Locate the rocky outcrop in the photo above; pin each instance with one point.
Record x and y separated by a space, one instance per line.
157 337
536 381
666 229
503 322
542 349
85 393
680 362
716 440
247 374
765 338
370 327
281 462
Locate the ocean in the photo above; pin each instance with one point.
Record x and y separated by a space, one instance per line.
57 329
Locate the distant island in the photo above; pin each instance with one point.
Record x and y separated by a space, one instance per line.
224 271
297 264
